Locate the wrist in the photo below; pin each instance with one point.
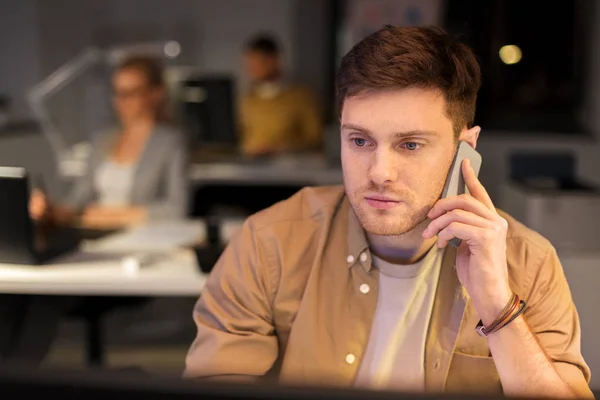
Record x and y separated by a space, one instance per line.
492 305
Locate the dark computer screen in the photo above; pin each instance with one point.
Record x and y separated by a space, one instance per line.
91 385
208 110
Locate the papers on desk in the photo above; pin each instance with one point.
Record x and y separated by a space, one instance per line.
146 260
155 236
163 235
175 273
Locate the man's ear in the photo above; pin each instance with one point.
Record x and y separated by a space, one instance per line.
470 135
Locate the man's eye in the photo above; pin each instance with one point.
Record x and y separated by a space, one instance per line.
359 142
411 146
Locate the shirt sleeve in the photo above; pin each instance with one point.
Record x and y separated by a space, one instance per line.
234 318
553 319
174 204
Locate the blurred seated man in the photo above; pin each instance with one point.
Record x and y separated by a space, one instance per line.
137 172
276 116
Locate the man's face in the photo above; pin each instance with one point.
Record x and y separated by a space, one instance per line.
259 66
397 147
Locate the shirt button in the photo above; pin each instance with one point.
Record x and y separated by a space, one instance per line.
350 258
436 365
350 358
363 257
364 288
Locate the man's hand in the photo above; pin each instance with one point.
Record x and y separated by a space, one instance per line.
523 365
481 258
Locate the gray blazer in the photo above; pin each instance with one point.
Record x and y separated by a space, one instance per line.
160 183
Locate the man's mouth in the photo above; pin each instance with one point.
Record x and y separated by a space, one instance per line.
382 202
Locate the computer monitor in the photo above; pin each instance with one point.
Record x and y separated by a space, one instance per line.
16 229
208 110
22 241
91 385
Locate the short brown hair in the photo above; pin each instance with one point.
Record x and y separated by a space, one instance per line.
423 57
264 44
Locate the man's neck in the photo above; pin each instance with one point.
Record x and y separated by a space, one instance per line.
274 78
407 248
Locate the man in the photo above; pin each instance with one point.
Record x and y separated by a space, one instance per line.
356 285
276 116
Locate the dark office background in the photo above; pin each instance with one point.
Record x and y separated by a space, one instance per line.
548 101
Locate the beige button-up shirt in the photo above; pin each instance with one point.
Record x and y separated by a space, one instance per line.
294 295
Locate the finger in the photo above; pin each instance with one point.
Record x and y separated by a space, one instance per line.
457 230
457 215
475 187
463 202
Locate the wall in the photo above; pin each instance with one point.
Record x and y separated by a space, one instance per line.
19 49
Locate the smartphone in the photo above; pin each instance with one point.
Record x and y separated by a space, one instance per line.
455 183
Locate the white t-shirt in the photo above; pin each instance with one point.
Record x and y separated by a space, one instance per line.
395 356
113 183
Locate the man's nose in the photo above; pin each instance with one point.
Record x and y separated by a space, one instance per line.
384 168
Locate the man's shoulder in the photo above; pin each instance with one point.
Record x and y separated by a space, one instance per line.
308 204
518 233
526 249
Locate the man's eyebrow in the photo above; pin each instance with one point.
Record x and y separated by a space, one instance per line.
414 132
356 128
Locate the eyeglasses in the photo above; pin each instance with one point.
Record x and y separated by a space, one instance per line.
125 94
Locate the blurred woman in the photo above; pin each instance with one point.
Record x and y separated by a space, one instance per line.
136 172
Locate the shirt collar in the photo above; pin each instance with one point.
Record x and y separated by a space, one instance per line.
270 89
358 246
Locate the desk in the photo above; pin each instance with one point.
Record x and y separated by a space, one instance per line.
89 273
301 170
96 269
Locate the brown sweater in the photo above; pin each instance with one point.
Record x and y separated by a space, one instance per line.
289 121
